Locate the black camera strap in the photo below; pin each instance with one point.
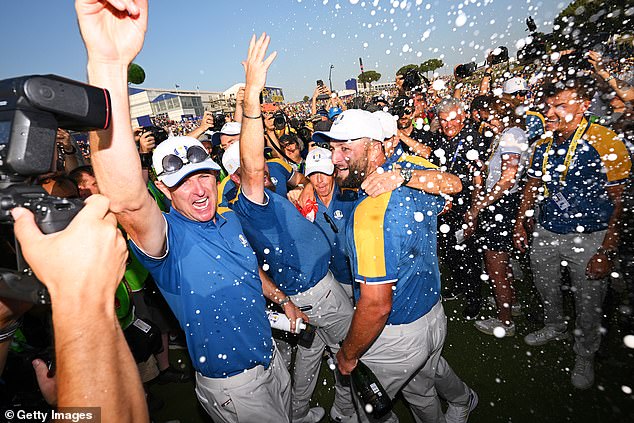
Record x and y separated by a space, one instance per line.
270 142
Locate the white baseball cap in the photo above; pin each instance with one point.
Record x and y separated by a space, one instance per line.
513 85
319 160
179 147
231 128
351 125
231 158
388 123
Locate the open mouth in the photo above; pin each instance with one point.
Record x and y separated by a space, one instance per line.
201 204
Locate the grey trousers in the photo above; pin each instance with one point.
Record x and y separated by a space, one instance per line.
331 312
257 395
407 358
549 251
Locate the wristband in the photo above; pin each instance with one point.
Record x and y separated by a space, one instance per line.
609 78
71 152
7 332
285 301
406 173
251 117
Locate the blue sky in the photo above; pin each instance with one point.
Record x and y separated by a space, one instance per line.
201 43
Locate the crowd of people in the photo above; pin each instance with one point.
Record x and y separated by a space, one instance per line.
358 215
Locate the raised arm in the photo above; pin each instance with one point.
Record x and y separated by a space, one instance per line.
113 32
206 123
252 135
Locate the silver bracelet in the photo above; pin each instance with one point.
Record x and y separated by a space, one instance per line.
7 332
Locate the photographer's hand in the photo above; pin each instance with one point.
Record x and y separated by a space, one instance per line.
146 142
81 267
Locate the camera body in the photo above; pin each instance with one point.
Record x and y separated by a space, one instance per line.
465 70
279 120
157 132
33 107
219 121
31 110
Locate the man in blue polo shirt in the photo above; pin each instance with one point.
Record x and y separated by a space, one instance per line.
292 250
581 170
334 208
199 257
398 327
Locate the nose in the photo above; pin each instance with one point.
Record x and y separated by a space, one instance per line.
197 187
338 158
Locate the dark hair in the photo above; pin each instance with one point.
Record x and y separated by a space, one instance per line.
481 102
505 108
583 86
76 173
287 139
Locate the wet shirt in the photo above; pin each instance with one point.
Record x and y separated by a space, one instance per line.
209 278
333 220
510 141
454 156
577 199
293 251
392 239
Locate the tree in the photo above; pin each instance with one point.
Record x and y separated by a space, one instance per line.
306 98
369 77
431 65
404 69
136 74
579 23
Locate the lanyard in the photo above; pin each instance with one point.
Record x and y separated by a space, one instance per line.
455 155
569 155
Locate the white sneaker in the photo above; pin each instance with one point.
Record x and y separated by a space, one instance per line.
583 372
516 309
460 414
490 327
314 415
336 416
545 335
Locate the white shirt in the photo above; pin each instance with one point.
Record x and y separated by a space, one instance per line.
510 141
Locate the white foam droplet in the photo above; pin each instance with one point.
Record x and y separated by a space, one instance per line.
202 359
444 228
461 19
354 1
419 217
499 332
626 389
472 155
628 340
369 408
438 85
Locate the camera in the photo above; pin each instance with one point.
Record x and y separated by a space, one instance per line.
501 57
157 132
279 120
32 108
413 80
219 121
465 70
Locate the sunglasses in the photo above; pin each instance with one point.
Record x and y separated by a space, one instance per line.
172 163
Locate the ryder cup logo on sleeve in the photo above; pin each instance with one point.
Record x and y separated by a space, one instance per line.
338 214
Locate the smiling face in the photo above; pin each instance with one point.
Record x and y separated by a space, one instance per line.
564 112
451 122
351 161
322 183
195 197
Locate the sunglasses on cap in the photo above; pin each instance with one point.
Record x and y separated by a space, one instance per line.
172 163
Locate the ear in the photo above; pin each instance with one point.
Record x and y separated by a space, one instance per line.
164 189
375 152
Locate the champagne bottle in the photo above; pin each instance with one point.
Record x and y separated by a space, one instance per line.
377 401
306 331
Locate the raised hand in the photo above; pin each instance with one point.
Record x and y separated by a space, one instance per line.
113 30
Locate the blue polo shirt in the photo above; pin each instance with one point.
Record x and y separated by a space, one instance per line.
280 173
600 160
392 239
293 251
534 125
338 211
209 277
